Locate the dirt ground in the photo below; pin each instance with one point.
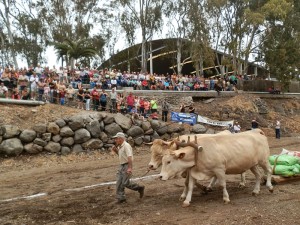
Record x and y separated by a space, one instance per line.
75 189
59 177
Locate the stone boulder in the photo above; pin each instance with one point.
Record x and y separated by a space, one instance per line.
53 128
65 150
147 138
77 148
10 131
47 136
150 131
27 135
53 147
32 148
1 130
123 121
40 128
174 128
56 138
162 130
139 141
146 125
40 142
210 131
67 141
11 147
198 129
135 131
155 124
103 137
66 132
81 136
93 144
112 129
109 119
61 123
76 122
94 128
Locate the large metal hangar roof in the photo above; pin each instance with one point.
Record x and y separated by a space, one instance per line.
164 53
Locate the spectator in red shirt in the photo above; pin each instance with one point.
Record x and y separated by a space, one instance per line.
130 102
142 106
16 94
95 97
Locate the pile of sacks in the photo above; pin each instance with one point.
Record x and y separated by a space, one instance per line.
286 164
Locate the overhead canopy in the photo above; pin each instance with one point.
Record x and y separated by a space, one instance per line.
164 54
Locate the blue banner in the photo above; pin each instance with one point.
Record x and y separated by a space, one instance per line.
184 118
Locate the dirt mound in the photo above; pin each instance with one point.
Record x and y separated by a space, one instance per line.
26 116
242 108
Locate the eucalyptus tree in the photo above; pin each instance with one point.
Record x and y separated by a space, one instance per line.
198 34
145 15
5 14
281 42
235 30
74 20
176 12
29 32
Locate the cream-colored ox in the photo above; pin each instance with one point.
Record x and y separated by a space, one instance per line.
216 156
160 147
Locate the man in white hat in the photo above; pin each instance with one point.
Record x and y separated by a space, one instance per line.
124 150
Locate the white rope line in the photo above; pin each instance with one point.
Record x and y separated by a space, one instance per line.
76 189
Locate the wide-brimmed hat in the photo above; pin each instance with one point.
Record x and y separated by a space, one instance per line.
119 135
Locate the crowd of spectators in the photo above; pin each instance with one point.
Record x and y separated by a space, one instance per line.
80 87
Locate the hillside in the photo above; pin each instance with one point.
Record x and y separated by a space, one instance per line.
241 108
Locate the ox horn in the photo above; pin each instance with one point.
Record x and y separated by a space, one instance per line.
190 144
150 143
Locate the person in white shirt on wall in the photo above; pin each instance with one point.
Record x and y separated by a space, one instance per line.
277 129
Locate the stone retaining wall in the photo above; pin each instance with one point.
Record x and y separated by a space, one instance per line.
89 131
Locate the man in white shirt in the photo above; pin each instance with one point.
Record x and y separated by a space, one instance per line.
38 70
33 85
124 150
277 129
113 99
3 91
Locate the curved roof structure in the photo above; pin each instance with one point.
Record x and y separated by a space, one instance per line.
164 52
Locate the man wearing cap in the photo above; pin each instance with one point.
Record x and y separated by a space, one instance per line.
124 150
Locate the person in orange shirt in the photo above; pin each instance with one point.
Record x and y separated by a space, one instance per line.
146 107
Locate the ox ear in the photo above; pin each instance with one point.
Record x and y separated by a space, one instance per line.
180 155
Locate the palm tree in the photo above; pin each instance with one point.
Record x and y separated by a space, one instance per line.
73 51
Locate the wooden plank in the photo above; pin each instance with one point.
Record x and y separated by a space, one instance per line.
276 179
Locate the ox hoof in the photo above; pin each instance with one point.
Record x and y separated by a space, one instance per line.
181 198
185 204
255 193
226 201
271 190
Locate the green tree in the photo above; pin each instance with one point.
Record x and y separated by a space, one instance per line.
143 14
74 51
281 43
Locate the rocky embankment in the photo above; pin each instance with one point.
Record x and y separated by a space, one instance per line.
88 131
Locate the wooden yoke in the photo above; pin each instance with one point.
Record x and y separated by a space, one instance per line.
191 144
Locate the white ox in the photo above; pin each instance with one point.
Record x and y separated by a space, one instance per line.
219 155
160 148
